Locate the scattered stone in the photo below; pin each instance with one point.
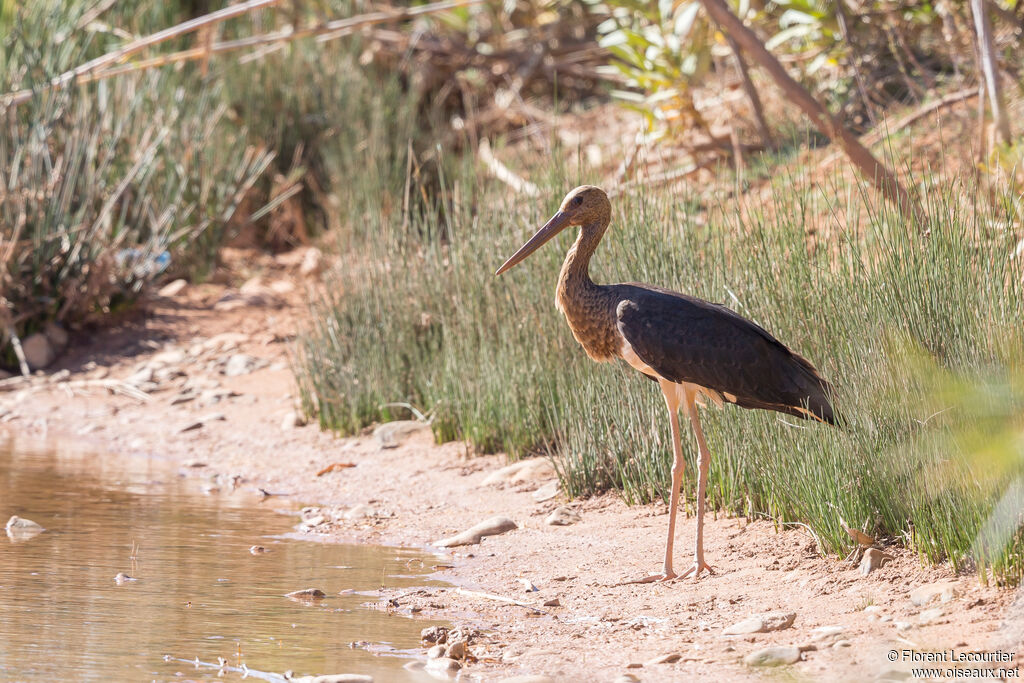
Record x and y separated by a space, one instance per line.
360 511
57 335
841 643
291 420
457 650
931 615
19 528
282 287
38 351
442 665
260 298
553 602
528 679
473 535
872 560
943 591
166 358
434 634
312 263
306 594
626 678
664 659
121 578
173 288
257 550
772 621
242 364
562 516
436 651
415 665
335 678
902 625
547 491
826 633
183 397
200 422
530 469
391 434
225 341
773 656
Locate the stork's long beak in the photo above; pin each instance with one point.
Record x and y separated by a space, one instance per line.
555 225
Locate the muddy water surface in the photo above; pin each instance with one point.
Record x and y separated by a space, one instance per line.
198 591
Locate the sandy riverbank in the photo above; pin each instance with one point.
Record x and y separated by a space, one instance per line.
214 363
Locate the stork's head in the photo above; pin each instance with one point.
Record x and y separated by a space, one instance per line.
587 206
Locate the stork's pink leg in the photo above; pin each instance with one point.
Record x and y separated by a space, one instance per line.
703 464
671 392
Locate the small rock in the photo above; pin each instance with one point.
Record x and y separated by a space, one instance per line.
772 621
442 665
241 364
930 615
562 516
121 578
437 651
773 656
841 643
547 491
57 335
528 679
335 678
415 665
530 469
553 602
360 511
38 351
902 625
826 633
257 550
312 263
306 594
173 288
21 529
166 358
291 420
489 527
872 560
943 591
391 434
664 659
434 634
626 678
457 650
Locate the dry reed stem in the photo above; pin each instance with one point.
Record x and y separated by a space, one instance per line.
95 69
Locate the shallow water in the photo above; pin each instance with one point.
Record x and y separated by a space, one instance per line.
198 592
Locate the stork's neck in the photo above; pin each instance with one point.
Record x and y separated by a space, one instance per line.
575 274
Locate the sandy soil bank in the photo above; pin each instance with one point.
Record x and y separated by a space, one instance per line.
214 363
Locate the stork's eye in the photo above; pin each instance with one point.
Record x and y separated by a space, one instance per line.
577 201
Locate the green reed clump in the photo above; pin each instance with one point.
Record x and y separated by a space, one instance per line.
421 319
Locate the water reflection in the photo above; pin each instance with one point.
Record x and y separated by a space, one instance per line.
198 591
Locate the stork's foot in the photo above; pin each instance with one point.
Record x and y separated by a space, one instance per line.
653 578
695 569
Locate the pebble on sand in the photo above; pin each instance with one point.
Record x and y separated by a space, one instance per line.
763 623
257 550
123 578
668 658
773 656
488 527
872 560
530 469
443 664
942 591
562 516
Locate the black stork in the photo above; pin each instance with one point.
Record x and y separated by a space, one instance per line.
694 349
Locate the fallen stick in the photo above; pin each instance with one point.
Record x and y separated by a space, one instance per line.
498 598
503 172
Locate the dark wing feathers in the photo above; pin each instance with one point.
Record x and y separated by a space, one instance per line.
689 340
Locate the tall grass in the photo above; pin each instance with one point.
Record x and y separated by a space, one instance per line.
922 336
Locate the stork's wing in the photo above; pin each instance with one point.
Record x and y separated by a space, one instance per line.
685 339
